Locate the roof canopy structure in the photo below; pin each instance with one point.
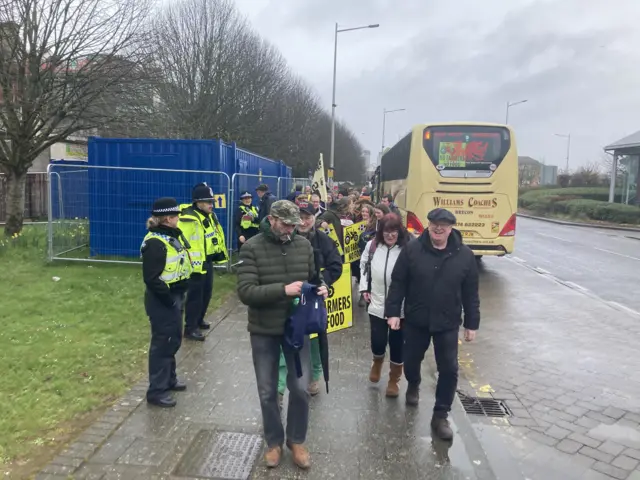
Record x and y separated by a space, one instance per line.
629 145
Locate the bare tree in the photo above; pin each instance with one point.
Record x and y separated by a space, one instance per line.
60 62
587 176
606 161
528 174
219 79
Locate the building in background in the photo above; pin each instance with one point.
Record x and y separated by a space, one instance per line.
532 172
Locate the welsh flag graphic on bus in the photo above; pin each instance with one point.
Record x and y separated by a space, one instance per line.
457 154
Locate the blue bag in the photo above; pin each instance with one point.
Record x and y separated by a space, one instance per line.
309 317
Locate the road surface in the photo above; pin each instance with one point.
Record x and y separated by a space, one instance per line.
605 262
558 343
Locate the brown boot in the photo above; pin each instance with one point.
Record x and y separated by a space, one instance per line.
272 457
395 372
376 369
300 455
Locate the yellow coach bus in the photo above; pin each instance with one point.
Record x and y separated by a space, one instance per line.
470 169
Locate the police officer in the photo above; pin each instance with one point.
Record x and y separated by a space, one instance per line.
247 224
204 232
165 269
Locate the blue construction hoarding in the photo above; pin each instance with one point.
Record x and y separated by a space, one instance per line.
126 175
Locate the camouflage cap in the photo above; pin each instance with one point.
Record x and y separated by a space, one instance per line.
286 211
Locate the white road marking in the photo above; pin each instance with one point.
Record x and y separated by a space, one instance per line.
618 254
626 309
542 270
576 286
554 237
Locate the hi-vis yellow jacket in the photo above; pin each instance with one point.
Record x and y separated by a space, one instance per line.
205 235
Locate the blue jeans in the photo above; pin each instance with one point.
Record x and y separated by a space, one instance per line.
265 350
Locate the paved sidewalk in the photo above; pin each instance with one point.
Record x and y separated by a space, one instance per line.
214 432
567 365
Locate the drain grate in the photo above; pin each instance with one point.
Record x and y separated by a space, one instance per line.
221 455
486 407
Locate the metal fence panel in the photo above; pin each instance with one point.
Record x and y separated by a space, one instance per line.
243 182
286 185
98 213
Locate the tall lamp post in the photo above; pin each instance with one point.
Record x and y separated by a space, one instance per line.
509 105
568 137
333 96
384 123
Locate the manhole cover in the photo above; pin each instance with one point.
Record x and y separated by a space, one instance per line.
487 407
220 455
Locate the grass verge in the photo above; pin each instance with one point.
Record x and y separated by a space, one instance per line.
74 338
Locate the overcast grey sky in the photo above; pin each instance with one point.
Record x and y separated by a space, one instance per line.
577 62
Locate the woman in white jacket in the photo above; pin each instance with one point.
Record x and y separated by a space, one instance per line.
376 264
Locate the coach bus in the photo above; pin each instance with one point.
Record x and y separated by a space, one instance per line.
470 169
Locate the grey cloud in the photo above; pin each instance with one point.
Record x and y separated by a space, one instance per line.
574 60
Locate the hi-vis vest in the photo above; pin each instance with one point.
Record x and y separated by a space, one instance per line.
204 240
252 212
177 266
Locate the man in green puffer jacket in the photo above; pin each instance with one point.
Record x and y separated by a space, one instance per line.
273 266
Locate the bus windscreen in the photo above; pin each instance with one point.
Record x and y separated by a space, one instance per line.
466 147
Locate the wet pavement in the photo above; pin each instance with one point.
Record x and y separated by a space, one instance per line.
567 366
604 262
214 432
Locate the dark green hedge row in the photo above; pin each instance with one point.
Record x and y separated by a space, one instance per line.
589 193
585 208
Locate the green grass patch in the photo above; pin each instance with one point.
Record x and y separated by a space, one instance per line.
74 338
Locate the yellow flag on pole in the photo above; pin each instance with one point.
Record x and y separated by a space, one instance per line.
319 184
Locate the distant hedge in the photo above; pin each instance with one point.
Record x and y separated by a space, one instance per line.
582 202
590 193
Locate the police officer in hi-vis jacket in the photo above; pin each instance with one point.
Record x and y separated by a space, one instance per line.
200 225
247 224
165 269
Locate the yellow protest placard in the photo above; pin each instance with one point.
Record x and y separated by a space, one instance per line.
339 303
331 232
351 237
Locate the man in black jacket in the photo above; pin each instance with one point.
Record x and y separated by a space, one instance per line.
266 200
436 277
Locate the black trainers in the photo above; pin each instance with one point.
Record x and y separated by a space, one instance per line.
441 428
413 395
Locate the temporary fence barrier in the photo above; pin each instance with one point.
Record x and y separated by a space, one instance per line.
98 213
245 182
287 185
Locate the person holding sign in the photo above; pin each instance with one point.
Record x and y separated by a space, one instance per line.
329 265
436 277
377 262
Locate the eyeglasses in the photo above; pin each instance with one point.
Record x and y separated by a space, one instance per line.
390 234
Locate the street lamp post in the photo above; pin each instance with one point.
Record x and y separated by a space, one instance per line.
333 96
384 123
568 137
509 104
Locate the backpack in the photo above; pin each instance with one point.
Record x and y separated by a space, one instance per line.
310 316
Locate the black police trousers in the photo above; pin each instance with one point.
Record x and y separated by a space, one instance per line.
198 298
166 338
